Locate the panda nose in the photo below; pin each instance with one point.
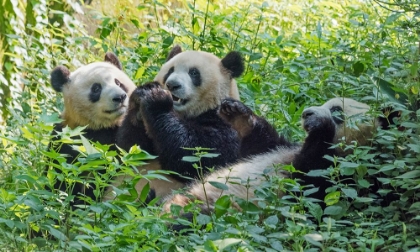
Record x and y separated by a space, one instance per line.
307 113
173 85
119 98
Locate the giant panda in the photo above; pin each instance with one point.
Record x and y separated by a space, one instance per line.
180 110
337 120
95 96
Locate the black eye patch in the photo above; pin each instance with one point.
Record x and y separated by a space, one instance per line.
195 76
121 85
171 70
337 114
95 92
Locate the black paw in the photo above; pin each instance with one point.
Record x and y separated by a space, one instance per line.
153 97
231 110
313 121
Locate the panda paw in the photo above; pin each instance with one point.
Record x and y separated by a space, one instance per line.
153 97
238 115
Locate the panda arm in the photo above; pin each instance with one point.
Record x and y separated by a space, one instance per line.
311 156
172 134
133 133
132 130
256 134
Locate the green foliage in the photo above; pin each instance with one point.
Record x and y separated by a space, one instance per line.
298 53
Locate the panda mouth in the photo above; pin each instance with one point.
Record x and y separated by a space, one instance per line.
179 101
117 110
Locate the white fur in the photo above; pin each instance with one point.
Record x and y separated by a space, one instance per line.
217 83
252 169
161 187
357 126
79 111
238 177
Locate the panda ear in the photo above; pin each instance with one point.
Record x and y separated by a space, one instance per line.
388 118
233 62
59 76
113 59
176 50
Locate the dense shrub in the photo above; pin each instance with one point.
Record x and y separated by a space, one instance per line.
298 53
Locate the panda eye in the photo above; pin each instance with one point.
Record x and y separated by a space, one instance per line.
337 114
193 72
171 70
121 85
96 88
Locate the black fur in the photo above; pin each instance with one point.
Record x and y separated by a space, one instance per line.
104 136
132 130
113 59
262 137
95 92
171 70
170 133
256 134
311 156
59 76
176 50
234 63
195 76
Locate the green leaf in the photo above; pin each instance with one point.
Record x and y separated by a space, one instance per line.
203 219
389 90
210 155
219 185
333 210
167 42
272 221
414 147
315 210
318 173
314 239
191 159
222 205
144 192
349 192
410 174
332 198
363 183
358 68
56 233
88 147
210 246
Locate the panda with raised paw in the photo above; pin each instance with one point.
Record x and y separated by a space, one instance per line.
180 110
325 125
95 96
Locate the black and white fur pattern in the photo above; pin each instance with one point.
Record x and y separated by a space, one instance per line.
179 110
95 96
198 81
337 120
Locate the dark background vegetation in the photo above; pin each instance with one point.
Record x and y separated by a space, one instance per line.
298 53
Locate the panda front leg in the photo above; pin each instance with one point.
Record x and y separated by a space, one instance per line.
256 134
321 130
133 131
175 136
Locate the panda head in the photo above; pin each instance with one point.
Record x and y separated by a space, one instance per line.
350 117
198 81
94 95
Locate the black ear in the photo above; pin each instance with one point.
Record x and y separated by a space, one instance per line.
388 118
176 50
59 76
113 59
234 63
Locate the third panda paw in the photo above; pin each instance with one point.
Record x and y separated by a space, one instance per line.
238 115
